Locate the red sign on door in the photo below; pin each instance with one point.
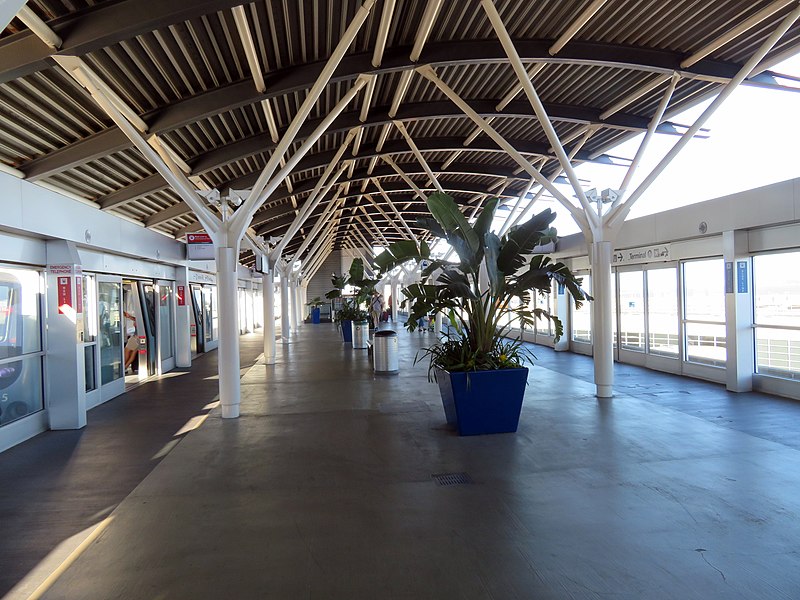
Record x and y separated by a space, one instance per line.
64 293
181 295
78 294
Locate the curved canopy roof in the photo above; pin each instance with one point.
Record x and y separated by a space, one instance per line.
219 84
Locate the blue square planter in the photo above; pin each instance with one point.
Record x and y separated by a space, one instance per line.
315 315
347 331
481 402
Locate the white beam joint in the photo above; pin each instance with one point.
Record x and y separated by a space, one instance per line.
616 216
576 26
538 108
400 92
402 129
383 32
424 29
734 33
240 17
388 160
251 204
39 27
427 72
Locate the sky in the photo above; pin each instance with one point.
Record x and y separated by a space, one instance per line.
753 141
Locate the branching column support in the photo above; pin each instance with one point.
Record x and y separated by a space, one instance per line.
538 108
577 214
268 285
385 216
316 195
393 207
324 219
227 233
323 256
601 230
284 281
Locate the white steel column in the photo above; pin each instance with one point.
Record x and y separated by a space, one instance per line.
229 384
561 310
285 329
292 304
395 299
602 330
439 321
268 286
183 341
298 303
738 312
65 375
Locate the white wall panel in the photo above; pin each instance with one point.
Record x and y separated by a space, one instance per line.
20 249
30 208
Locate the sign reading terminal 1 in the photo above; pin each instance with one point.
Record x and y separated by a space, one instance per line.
643 254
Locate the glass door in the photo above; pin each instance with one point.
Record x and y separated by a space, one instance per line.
166 326
198 335
90 351
110 338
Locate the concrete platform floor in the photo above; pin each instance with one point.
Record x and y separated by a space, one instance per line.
323 489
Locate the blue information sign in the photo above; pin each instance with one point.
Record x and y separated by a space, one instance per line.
729 277
741 276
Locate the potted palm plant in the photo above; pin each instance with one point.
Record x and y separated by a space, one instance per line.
480 371
351 315
315 304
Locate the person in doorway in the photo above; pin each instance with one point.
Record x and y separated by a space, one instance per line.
376 307
132 343
389 316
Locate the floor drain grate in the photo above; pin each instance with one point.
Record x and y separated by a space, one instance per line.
452 478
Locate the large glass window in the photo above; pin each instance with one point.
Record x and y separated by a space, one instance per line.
546 302
109 296
631 310
704 311
582 317
89 331
662 311
776 287
20 343
211 325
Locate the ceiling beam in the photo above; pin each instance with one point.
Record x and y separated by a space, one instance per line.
256 144
301 77
86 31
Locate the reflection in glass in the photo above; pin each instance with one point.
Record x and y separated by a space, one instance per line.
165 321
89 309
20 388
778 352
706 344
20 330
582 317
704 300
89 368
662 311
631 310
547 303
109 313
209 310
704 290
20 344
776 290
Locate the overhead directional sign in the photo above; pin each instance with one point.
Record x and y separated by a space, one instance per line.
199 246
642 254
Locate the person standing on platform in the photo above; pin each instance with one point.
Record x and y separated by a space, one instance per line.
376 308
